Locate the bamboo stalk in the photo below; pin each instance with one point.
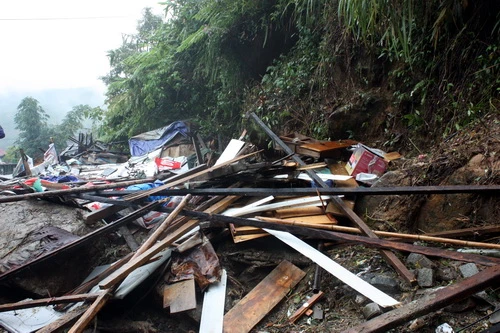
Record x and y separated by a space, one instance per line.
383 233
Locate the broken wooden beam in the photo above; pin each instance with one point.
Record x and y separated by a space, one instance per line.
252 308
430 303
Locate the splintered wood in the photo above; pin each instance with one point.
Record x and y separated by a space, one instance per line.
265 296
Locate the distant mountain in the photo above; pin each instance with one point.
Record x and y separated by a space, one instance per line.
56 102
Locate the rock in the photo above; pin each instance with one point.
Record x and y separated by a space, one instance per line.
425 277
385 283
446 274
419 261
468 270
371 310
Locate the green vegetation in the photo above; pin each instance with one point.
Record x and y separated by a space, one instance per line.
300 63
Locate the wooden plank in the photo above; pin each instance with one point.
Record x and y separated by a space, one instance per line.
212 313
305 307
180 296
222 205
433 302
328 145
335 269
244 238
47 301
263 298
316 219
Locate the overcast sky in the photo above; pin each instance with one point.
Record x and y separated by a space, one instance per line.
54 44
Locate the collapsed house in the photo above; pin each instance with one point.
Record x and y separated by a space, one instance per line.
177 197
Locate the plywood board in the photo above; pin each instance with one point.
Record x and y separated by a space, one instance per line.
262 299
180 296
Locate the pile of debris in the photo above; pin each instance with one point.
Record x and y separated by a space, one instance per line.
175 203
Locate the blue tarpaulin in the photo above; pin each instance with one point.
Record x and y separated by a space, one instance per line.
147 142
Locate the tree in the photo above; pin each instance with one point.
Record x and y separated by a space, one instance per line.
70 125
31 121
